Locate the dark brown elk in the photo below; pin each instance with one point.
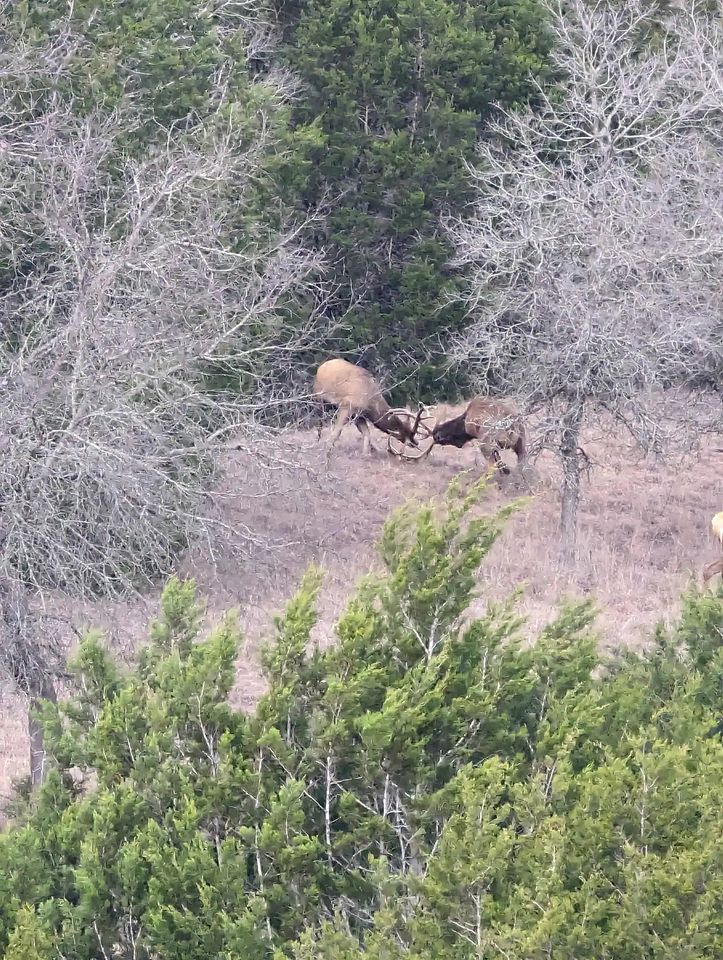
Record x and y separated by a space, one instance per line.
492 423
711 569
359 399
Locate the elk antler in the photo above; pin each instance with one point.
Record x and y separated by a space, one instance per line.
401 412
403 455
417 423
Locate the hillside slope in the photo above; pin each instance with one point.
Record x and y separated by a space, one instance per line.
644 530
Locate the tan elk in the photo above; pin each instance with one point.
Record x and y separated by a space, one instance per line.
359 399
711 569
492 423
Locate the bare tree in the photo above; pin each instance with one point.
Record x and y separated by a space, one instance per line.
595 247
121 300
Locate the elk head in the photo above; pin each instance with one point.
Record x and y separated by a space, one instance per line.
405 429
452 432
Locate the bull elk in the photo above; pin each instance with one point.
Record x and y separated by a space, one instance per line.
359 399
493 423
711 569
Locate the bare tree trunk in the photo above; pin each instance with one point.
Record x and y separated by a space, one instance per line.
570 488
24 659
42 688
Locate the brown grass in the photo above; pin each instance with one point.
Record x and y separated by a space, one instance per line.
644 531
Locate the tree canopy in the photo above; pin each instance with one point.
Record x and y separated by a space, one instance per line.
428 786
394 96
594 245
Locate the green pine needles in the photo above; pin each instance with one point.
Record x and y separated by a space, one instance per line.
395 95
428 787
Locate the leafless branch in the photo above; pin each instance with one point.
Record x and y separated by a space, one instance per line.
147 315
595 247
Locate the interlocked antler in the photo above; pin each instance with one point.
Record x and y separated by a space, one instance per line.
401 453
401 412
404 455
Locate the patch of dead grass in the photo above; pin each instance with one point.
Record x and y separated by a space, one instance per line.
643 534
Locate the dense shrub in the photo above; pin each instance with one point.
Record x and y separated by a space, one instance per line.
395 94
428 787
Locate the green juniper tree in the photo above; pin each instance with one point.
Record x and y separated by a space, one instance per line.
176 58
394 96
428 786
606 845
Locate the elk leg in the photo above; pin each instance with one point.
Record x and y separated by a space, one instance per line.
492 452
340 422
520 451
362 426
323 410
499 462
501 465
711 569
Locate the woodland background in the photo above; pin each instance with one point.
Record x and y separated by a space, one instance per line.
457 755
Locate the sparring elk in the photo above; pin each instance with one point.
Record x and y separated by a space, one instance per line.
492 423
711 569
359 399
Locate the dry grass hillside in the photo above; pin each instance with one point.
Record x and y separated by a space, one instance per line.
644 531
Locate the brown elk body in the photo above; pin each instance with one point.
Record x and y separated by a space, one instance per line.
493 423
711 569
359 399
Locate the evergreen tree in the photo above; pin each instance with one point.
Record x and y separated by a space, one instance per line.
428 787
395 94
174 57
